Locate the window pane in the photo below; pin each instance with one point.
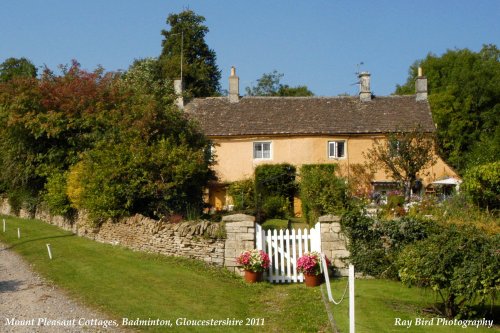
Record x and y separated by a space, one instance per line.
257 150
340 149
331 149
266 150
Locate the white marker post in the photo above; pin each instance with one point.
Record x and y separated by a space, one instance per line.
351 298
50 252
18 233
3 225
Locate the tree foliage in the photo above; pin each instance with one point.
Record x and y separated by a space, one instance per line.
186 38
464 94
482 185
321 191
275 188
404 155
115 142
269 85
14 67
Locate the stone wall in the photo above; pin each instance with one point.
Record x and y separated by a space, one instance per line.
198 240
214 243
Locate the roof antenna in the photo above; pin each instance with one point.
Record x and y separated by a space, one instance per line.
357 73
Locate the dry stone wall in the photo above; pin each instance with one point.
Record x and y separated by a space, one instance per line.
202 240
214 243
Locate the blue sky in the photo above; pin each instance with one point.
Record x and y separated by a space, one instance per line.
315 43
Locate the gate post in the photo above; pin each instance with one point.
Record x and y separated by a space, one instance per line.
240 230
334 243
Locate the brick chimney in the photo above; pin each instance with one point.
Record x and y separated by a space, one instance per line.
179 90
234 87
421 86
365 95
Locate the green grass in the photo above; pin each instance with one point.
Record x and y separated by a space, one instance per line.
380 302
275 224
123 283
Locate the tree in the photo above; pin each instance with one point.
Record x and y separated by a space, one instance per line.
185 44
403 155
482 185
464 94
13 67
269 85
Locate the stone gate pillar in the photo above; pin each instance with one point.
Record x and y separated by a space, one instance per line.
240 231
334 243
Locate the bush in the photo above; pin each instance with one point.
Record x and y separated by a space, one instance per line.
274 184
482 185
321 191
461 264
275 179
55 195
243 194
275 207
374 245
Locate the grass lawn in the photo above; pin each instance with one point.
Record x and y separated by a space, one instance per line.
127 284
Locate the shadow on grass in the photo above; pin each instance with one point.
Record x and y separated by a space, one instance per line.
34 240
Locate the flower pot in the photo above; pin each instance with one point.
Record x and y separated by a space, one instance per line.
312 280
252 277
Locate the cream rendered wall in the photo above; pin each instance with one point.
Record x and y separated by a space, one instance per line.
235 161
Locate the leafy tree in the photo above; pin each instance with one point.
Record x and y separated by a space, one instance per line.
269 85
186 40
464 94
403 155
482 185
127 148
14 67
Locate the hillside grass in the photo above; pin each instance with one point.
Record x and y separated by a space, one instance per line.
127 284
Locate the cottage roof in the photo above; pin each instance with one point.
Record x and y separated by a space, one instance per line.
309 115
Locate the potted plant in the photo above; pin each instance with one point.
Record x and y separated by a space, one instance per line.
310 264
254 262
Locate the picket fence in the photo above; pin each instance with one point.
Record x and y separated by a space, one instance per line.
284 248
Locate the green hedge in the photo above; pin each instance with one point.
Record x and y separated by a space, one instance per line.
321 191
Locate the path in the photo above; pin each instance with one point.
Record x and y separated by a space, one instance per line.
37 306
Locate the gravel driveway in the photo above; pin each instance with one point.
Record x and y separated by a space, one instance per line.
30 304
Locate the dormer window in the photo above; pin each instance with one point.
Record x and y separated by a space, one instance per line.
336 149
262 150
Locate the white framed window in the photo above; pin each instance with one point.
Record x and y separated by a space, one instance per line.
262 150
336 149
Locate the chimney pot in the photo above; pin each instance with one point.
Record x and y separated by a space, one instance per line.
234 86
421 86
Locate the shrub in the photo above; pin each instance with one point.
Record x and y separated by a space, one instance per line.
274 184
461 264
275 207
55 194
321 191
243 194
482 185
374 245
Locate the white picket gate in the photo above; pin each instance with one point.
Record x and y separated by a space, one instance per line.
284 248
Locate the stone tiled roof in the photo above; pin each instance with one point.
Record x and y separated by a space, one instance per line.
309 115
